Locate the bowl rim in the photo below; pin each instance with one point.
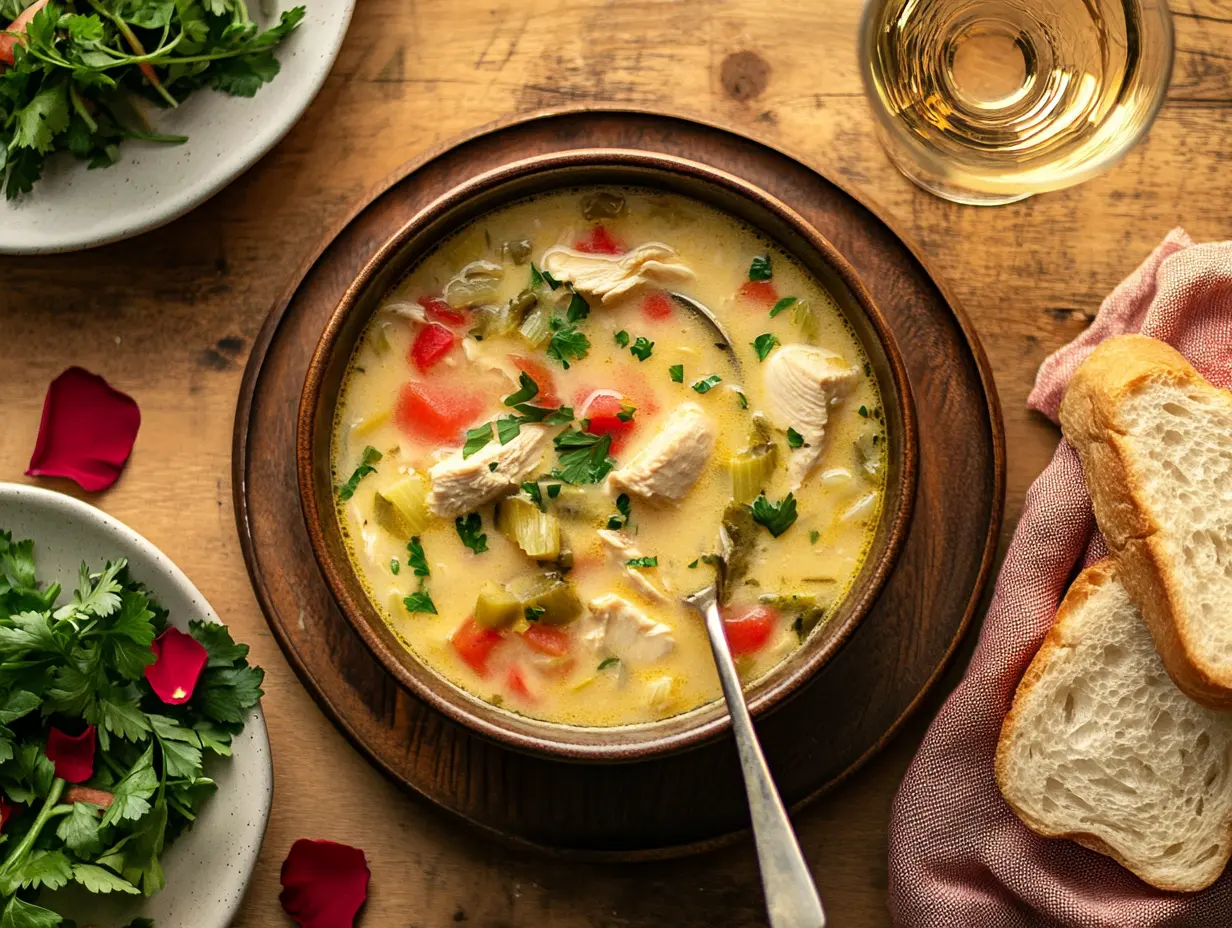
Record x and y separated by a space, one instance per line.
459 709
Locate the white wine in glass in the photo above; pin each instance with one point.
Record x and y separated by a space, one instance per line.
989 101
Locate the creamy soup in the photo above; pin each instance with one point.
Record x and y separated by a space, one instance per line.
538 448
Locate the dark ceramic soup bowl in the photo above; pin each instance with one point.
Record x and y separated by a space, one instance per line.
417 239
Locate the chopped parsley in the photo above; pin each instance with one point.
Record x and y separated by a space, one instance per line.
764 344
492 467
476 439
694 563
536 495
366 461
626 413
550 280
776 518
641 348
706 384
553 490
863 411
583 457
534 613
416 559
813 536
470 531
536 278
527 390
608 662
622 338
676 371
395 567
507 429
795 439
578 309
742 399
782 305
760 269
623 508
566 343
420 601
642 562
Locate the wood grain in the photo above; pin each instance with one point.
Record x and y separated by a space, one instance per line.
187 301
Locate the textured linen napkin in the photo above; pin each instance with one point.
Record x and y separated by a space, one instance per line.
958 855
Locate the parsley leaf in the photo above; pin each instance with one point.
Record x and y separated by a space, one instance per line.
583 457
578 309
676 372
813 536
642 562
416 560
641 348
507 429
476 439
395 566
764 344
608 662
470 531
706 384
527 390
369 457
795 439
532 490
626 413
760 268
622 338
536 278
863 411
776 518
785 303
566 342
419 602
534 613
742 399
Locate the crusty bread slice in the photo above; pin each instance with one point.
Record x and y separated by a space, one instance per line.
1100 746
1155 440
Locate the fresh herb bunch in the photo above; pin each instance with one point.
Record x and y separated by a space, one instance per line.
74 72
84 664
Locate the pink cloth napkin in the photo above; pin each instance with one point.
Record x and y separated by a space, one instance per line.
958 855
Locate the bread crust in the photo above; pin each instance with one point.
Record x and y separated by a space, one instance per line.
1084 586
1116 370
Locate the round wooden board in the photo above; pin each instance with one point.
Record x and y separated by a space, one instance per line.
692 800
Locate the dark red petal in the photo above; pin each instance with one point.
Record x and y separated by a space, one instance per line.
178 662
6 812
73 755
87 432
324 884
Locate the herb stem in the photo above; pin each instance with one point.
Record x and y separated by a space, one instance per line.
44 816
80 107
135 44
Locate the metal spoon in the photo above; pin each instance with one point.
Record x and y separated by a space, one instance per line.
791 897
711 320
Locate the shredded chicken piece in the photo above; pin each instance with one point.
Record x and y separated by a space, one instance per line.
621 550
803 382
611 276
461 485
670 463
621 630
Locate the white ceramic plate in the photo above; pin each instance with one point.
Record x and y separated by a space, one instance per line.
73 208
209 866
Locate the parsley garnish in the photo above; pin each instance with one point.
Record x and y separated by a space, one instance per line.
470 531
507 429
622 338
583 457
641 348
566 342
476 439
764 344
742 399
492 466
706 384
794 438
550 280
785 303
527 390
395 567
694 563
776 518
863 411
416 559
534 613
536 495
623 507
626 413
578 309
813 536
536 279
760 268
553 490
642 562
676 372
420 601
366 461
608 662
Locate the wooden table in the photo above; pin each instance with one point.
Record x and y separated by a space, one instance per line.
169 317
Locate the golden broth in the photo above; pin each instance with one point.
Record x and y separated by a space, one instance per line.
818 556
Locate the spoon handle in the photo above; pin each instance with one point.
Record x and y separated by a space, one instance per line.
791 897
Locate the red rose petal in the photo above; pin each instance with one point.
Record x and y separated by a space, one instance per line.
87 431
178 662
73 755
324 884
6 812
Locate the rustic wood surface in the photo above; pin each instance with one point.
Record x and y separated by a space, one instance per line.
693 798
170 317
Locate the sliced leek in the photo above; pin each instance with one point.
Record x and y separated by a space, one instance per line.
751 471
536 533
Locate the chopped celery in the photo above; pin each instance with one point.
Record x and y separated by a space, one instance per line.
560 604
536 327
536 533
496 607
516 250
740 532
750 471
370 424
582 503
805 319
478 282
402 507
381 338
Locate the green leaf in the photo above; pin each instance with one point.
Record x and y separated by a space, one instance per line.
46 868
243 76
795 439
17 704
642 348
124 720
130 795
97 880
536 495
863 411
79 830
567 342
213 738
527 390
19 914
534 613
84 30
42 119
30 631
368 458
96 594
785 303
622 338
642 562
706 384
578 309
608 662
582 457
760 268
507 429
813 536
149 14
536 278
764 344
477 439
180 759
416 559
470 531
676 371
742 399
775 517
226 694
218 643
419 602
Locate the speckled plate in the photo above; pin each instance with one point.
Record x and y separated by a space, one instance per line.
73 208
208 868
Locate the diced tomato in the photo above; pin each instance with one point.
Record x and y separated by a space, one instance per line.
541 376
602 411
516 684
599 241
760 292
431 343
657 305
18 26
475 644
548 640
748 629
437 310
436 411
